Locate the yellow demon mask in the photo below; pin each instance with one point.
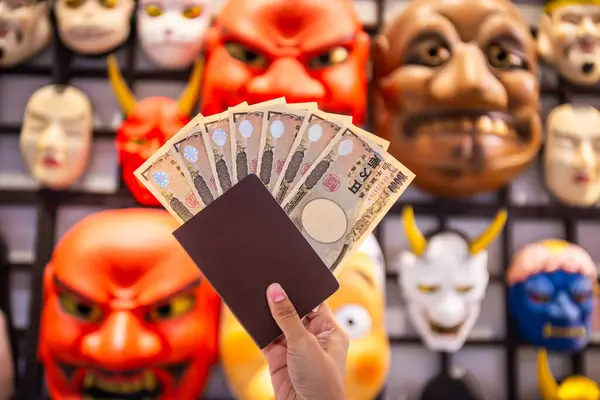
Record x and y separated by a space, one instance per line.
575 387
359 307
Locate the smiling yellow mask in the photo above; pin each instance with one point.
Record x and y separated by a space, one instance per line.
359 308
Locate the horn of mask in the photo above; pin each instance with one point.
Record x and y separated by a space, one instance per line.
188 98
417 241
122 92
487 237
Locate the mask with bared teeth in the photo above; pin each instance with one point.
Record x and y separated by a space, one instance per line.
572 154
24 30
569 39
457 94
126 314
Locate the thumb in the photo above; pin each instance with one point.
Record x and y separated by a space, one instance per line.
284 313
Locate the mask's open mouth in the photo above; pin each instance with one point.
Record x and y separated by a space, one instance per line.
564 332
443 330
89 32
144 386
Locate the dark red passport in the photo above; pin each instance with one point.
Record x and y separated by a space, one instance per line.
244 241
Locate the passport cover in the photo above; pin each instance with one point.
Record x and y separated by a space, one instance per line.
244 241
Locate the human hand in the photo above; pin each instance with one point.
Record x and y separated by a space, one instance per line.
309 361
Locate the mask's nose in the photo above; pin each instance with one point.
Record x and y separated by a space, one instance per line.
52 139
564 309
449 311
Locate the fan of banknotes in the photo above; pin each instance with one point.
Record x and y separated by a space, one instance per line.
333 179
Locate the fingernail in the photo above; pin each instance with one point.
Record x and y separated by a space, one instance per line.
276 293
316 308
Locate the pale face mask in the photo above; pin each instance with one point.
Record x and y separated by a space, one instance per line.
57 135
569 38
24 30
444 279
171 31
93 27
572 154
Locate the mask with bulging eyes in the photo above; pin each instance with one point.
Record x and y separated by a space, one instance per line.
444 277
24 30
457 94
569 39
572 154
171 32
56 136
93 27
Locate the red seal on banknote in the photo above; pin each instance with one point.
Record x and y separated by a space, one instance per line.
213 184
253 165
331 182
191 200
279 166
305 168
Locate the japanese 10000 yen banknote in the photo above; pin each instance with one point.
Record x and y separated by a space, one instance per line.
162 175
316 132
280 127
245 130
192 154
347 188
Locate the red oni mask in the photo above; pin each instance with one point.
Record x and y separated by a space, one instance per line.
148 125
303 50
126 313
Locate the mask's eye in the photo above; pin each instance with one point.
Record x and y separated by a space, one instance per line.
73 3
463 289
192 12
154 10
430 53
77 308
246 55
355 320
108 3
334 56
139 141
176 307
539 298
428 288
566 142
502 58
581 297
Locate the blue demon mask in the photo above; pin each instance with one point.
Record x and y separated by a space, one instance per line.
551 294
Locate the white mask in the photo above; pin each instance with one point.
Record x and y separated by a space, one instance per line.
93 27
569 39
572 154
444 279
24 30
171 32
56 136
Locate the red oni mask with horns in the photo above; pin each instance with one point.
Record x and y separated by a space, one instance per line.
303 50
148 125
126 313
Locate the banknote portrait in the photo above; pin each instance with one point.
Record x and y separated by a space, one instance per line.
457 94
359 308
25 28
126 313
171 32
148 124
56 135
443 277
569 39
304 50
93 27
551 294
585 388
572 154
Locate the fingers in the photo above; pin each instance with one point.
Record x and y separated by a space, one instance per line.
284 313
